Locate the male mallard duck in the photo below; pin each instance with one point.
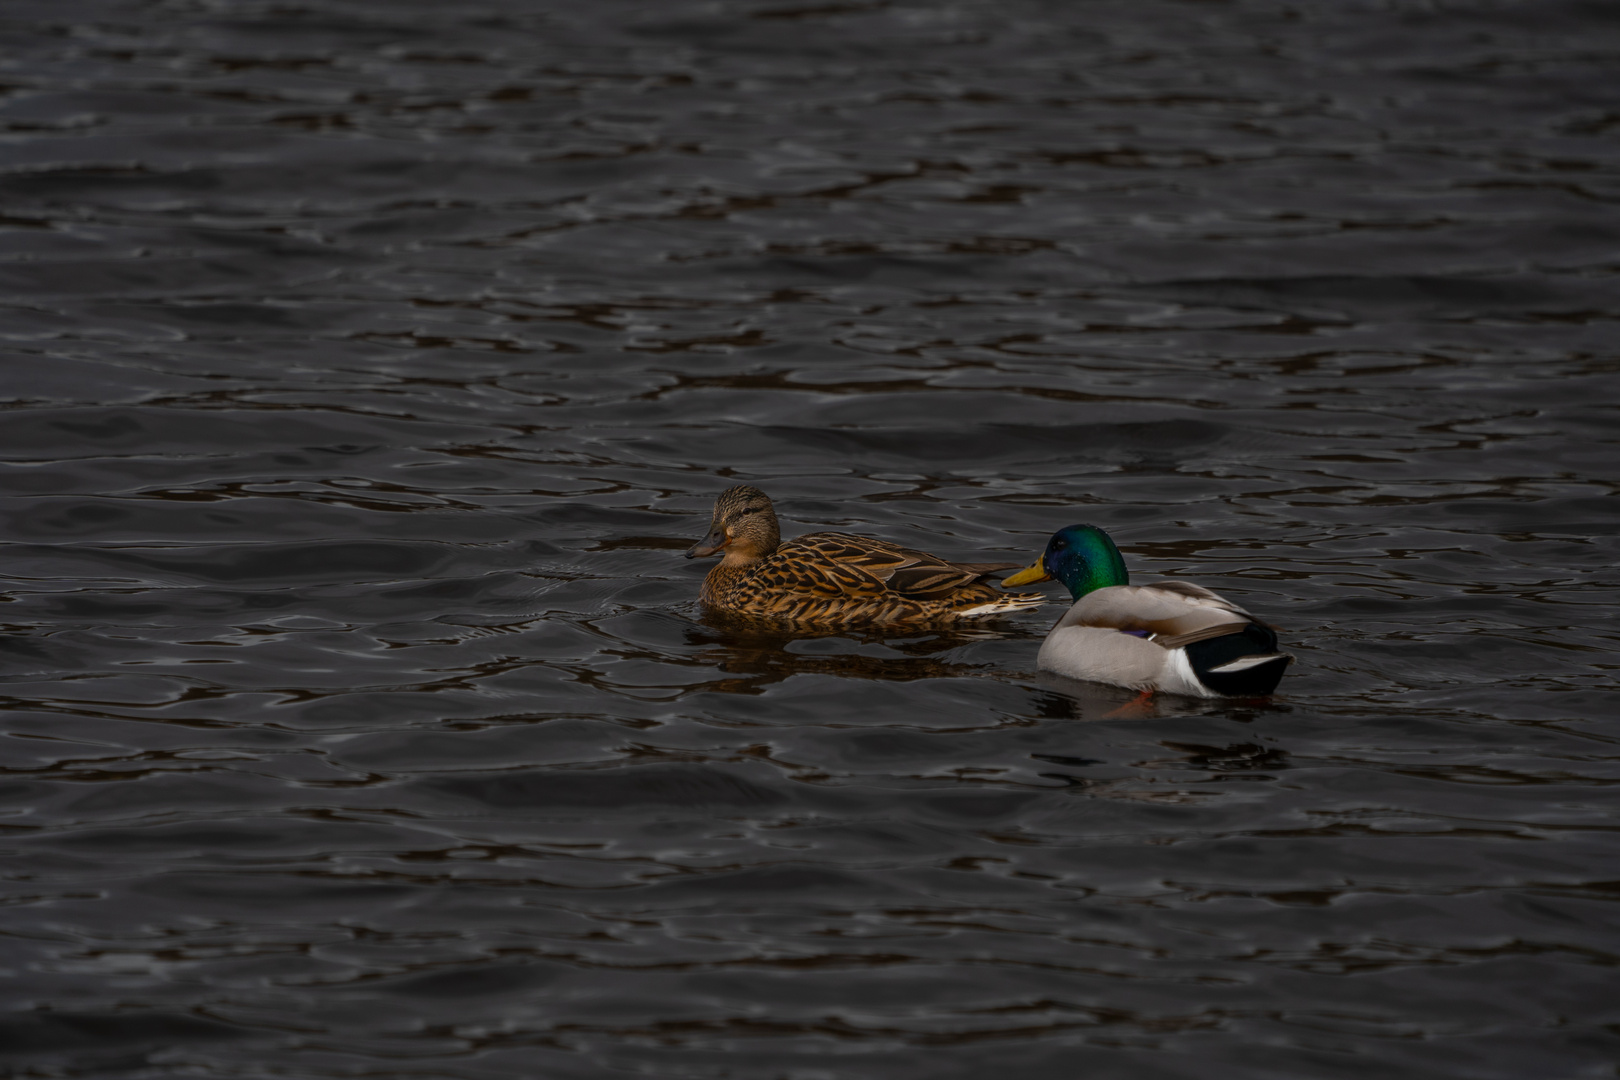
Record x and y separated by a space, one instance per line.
837 578
1173 636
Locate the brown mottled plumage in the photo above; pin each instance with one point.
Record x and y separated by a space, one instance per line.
836 578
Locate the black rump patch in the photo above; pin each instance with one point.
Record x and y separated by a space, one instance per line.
1253 640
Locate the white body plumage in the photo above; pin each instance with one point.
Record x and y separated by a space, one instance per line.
1137 636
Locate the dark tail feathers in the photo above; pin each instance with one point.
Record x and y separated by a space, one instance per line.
1243 664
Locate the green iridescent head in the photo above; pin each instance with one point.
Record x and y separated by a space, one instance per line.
1080 556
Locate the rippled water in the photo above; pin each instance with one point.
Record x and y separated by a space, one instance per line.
370 364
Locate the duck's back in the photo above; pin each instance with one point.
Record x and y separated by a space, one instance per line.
1174 612
843 578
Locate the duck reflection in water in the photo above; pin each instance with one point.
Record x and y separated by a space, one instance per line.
755 654
758 652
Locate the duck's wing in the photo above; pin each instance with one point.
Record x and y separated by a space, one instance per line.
860 567
1200 595
1176 613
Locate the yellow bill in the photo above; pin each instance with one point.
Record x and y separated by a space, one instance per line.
1035 572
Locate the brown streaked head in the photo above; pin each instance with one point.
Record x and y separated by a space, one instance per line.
744 526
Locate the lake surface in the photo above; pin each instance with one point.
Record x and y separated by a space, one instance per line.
368 367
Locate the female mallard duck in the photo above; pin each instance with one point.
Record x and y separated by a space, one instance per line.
1173 636
835 578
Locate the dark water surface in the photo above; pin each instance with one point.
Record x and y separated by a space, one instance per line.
368 365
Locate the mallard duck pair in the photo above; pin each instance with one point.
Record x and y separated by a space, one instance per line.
1172 636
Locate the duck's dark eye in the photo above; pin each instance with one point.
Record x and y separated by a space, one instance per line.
751 509
1060 543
